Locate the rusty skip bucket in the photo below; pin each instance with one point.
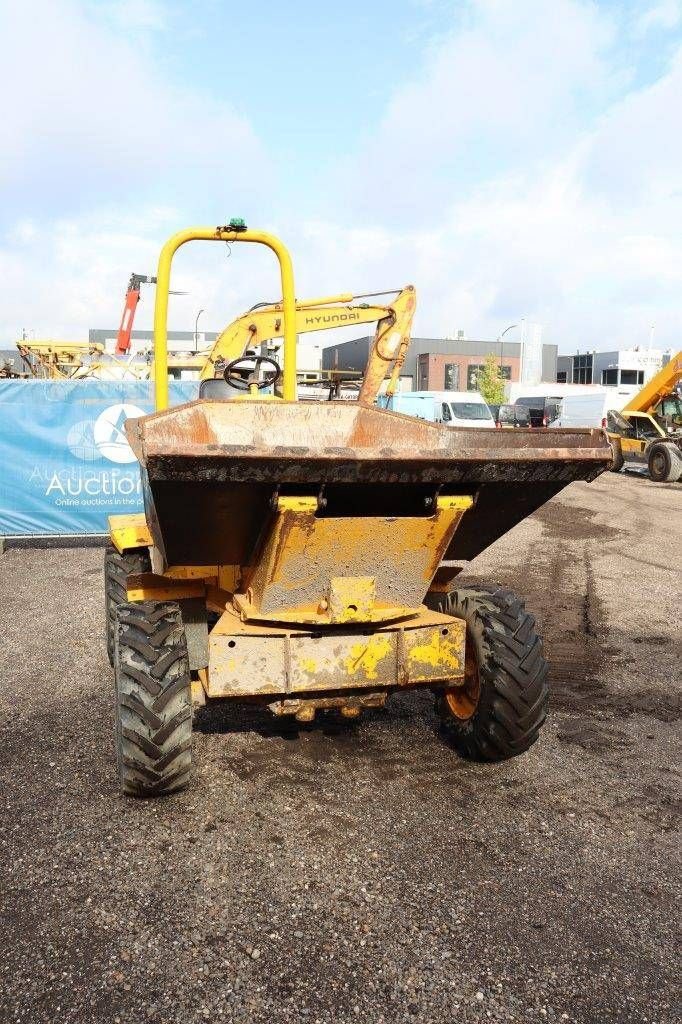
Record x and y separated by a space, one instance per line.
213 472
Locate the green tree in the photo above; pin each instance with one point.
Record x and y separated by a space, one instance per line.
491 382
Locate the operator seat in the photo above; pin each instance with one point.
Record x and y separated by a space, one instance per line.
216 387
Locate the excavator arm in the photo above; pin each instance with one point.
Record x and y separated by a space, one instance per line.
265 323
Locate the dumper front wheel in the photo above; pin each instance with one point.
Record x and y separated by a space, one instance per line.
117 568
499 711
153 699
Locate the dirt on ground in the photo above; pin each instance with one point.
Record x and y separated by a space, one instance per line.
361 872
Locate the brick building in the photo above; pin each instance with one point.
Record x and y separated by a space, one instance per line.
442 364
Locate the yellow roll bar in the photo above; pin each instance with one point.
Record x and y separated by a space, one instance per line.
222 234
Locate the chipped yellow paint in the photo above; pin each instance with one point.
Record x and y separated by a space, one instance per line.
191 572
365 657
166 590
228 577
439 651
129 532
458 502
198 693
351 598
295 504
343 569
308 665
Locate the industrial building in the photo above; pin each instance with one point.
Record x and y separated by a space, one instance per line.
143 341
625 366
442 364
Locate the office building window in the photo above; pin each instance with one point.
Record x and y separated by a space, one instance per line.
423 373
609 377
473 372
505 372
451 377
561 376
582 369
632 376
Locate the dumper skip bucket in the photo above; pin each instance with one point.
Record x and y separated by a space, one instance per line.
213 469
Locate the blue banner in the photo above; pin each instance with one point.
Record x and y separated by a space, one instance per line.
65 463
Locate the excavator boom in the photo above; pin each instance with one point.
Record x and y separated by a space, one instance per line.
394 322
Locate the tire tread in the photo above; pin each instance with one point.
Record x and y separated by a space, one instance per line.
512 669
117 568
154 706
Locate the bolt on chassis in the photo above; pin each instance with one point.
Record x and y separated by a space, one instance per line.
303 555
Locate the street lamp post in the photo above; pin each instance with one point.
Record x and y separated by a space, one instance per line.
196 329
500 337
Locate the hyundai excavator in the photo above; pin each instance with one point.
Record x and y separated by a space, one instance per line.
648 430
264 323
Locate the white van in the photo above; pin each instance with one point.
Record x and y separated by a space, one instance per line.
589 410
454 408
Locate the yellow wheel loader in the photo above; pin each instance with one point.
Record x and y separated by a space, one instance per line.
647 432
302 555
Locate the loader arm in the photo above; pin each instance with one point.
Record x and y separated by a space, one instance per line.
658 388
392 335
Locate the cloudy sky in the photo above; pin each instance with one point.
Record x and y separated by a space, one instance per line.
511 158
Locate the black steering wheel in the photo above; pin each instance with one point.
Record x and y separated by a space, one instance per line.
242 373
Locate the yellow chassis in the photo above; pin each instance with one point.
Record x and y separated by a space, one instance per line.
352 640
331 604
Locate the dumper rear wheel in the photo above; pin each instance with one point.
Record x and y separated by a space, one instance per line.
117 568
153 699
499 711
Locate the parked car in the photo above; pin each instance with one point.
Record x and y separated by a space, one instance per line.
510 416
454 408
542 409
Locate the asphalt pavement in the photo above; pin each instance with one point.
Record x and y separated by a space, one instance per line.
359 872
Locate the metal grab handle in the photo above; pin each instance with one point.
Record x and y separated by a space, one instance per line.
222 234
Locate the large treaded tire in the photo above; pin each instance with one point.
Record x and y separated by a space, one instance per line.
153 699
665 463
618 460
117 568
513 696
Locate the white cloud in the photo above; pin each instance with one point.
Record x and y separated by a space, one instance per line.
563 210
508 88
94 117
517 171
664 15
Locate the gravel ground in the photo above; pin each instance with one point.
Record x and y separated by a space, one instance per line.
358 871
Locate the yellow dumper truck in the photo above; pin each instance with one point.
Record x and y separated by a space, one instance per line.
302 555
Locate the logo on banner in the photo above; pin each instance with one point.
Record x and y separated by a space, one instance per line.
109 435
90 440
